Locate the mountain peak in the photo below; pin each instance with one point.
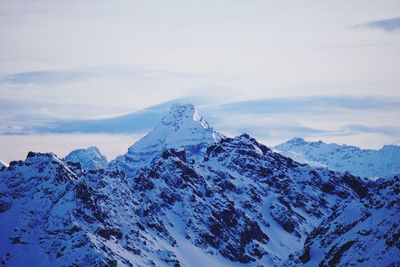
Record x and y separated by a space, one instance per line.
344 158
297 141
181 128
179 113
41 156
90 158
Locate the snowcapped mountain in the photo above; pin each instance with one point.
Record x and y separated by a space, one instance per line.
89 158
195 198
243 203
360 162
50 216
183 127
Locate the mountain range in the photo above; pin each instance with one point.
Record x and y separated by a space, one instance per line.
186 195
360 162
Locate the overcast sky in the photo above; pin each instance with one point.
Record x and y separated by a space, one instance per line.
80 59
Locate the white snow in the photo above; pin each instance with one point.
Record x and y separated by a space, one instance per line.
182 127
89 158
360 162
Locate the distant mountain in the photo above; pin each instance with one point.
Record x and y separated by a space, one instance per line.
89 158
360 162
184 195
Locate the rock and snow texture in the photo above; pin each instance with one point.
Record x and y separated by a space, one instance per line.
360 162
89 158
183 127
229 202
241 204
362 233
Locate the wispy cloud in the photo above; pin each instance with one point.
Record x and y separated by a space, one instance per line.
386 130
311 104
124 87
362 121
387 25
280 117
48 78
63 76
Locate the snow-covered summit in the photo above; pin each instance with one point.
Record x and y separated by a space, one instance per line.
90 158
361 162
182 127
296 141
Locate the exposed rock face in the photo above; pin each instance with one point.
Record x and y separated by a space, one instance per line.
365 232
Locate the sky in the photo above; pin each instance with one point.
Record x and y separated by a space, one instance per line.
83 60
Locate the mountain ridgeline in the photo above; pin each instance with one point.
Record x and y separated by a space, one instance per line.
186 195
360 162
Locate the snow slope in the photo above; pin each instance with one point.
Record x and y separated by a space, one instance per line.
360 162
89 158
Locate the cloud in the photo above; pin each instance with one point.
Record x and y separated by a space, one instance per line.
309 104
46 117
265 128
48 78
124 87
388 25
63 76
137 122
386 130
295 116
